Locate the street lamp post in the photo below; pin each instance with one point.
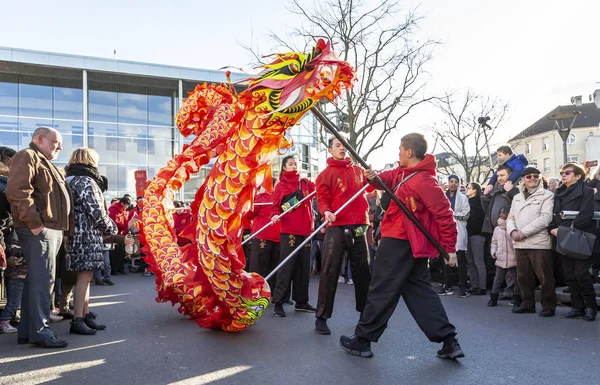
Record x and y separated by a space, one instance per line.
563 131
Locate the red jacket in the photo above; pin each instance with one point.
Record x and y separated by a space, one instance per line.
336 185
423 196
300 221
180 221
118 213
246 223
261 215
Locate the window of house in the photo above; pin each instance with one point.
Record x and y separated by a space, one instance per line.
528 148
546 144
547 164
533 163
571 139
573 158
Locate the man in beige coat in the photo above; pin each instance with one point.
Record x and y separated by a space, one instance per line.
527 224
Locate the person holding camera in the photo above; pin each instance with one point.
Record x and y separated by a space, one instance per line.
346 232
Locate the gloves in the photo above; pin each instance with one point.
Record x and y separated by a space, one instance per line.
452 261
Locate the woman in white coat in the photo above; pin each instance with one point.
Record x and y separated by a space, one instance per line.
460 205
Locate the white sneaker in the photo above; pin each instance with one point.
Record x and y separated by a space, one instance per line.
350 282
341 280
55 318
7 329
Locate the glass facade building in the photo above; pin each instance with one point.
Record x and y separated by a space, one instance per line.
123 110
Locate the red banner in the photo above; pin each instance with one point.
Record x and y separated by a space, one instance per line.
141 181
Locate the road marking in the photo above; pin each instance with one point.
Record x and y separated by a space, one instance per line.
213 376
22 358
48 374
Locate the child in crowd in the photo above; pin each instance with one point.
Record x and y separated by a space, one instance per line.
16 272
516 162
503 251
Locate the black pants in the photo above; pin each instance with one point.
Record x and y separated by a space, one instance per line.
397 273
117 259
333 253
461 256
580 281
247 249
297 270
264 257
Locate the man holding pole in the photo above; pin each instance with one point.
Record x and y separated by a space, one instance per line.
346 232
401 268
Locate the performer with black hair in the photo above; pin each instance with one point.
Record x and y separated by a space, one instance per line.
346 232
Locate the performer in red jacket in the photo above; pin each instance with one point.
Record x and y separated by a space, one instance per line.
401 267
181 219
295 227
346 232
265 252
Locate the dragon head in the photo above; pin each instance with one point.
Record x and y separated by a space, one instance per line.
294 82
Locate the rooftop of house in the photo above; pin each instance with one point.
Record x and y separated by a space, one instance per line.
589 117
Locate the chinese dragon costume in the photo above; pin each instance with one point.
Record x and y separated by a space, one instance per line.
243 132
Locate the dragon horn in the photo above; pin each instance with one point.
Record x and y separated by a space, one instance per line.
331 128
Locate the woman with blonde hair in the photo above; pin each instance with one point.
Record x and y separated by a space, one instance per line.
92 223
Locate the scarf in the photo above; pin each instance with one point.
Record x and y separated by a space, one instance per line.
77 169
340 163
502 223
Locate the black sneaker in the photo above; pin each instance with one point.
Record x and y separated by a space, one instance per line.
463 294
473 291
305 307
321 327
356 346
451 350
546 313
279 312
480 292
574 314
444 291
52 343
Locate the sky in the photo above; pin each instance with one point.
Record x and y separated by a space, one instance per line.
534 54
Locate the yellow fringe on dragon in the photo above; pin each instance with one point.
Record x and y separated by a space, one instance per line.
243 132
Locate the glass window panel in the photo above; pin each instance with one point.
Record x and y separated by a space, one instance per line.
107 147
133 108
160 110
133 151
160 132
102 106
25 139
9 139
9 124
133 131
35 101
69 144
32 124
9 98
110 172
107 129
126 182
68 127
159 152
68 103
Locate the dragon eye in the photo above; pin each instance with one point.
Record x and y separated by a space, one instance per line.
294 68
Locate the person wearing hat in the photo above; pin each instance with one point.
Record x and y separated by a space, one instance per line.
527 225
461 208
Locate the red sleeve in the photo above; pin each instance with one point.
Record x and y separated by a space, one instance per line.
113 212
131 214
436 202
277 196
388 177
324 192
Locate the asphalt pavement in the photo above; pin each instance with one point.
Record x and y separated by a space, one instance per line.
151 343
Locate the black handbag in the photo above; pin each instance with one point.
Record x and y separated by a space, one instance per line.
574 243
386 198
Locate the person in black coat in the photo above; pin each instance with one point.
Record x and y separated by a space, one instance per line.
476 246
594 183
575 195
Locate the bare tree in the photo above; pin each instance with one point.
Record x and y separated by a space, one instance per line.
381 43
462 139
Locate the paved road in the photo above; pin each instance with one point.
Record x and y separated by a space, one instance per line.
150 343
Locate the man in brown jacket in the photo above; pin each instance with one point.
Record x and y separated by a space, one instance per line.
41 206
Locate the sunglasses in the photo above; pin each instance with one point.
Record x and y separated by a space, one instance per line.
568 172
532 176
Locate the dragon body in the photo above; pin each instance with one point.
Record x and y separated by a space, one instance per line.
243 132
